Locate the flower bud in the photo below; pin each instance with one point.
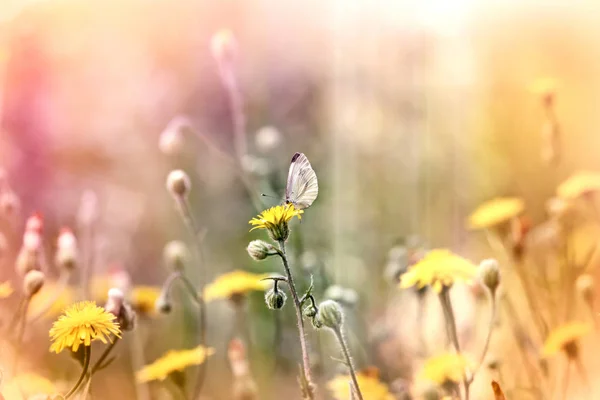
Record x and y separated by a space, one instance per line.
489 274
33 282
66 252
585 287
330 314
267 139
35 223
178 183
163 305
223 46
275 299
115 301
176 255
317 323
310 311
172 139
127 318
260 250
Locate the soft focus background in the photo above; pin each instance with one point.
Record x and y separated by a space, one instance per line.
411 112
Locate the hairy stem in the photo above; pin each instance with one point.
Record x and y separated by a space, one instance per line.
340 338
303 344
487 339
86 364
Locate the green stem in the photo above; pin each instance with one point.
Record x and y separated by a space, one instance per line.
86 364
340 338
303 344
104 355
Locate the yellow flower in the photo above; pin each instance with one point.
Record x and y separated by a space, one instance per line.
26 385
143 299
174 360
544 86
564 338
5 289
275 220
444 368
51 299
494 212
234 283
81 323
370 386
438 268
579 184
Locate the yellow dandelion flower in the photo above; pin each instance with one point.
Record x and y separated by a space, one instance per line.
275 220
51 300
143 299
579 184
81 323
174 360
6 290
544 86
439 268
234 283
495 212
564 338
444 368
370 386
27 385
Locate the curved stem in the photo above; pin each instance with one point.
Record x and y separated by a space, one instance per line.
340 338
487 339
16 316
303 344
63 280
104 355
20 334
86 364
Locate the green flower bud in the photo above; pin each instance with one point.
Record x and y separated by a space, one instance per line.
163 305
310 311
330 314
260 250
275 299
317 323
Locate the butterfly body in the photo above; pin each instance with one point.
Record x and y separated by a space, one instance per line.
302 185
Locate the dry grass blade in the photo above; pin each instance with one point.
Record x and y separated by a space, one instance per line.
498 394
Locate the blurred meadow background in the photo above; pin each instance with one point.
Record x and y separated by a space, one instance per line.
413 114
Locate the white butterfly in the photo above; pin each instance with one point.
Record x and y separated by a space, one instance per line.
302 187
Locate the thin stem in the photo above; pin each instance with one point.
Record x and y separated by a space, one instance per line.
104 355
451 323
87 355
487 339
197 237
582 373
566 379
16 316
21 333
87 249
303 344
340 338
63 280
137 360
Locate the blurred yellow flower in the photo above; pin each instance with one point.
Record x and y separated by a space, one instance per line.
174 360
544 86
6 289
234 283
370 386
143 299
275 220
564 338
51 300
494 212
26 385
579 184
444 368
439 268
81 323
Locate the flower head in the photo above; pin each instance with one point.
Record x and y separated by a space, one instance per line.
368 381
174 360
275 220
143 299
6 290
444 368
81 323
439 268
579 184
234 283
495 212
564 338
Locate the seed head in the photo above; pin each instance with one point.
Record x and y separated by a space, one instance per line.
260 250
33 282
489 274
330 314
178 183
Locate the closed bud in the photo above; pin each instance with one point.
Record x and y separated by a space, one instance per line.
267 139
178 183
66 252
260 250
115 301
310 311
317 323
33 282
585 287
223 46
127 318
163 305
489 274
172 139
176 255
275 299
330 314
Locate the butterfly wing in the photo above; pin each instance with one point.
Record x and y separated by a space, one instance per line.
302 186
